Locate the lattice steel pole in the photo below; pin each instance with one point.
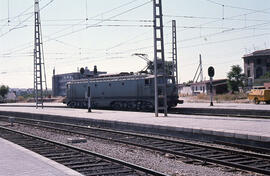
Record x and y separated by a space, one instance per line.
174 52
37 58
159 60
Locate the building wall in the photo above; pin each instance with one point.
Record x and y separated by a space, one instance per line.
267 85
199 88
219 87
256 66
59 82
185 90
11 96
249 68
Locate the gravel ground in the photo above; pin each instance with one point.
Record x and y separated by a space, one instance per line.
157 161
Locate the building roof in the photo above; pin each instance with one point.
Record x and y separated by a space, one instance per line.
265 52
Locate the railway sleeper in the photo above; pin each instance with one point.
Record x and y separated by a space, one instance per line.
76 162
263 166
250 162
55 155
195 150
88 165
205 152
118 173
110 167
216 154
226 157
65 157
78 158
237 160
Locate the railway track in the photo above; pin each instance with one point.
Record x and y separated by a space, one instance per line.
255 162
83 161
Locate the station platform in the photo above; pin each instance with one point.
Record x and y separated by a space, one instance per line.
251 129
244 106
18 161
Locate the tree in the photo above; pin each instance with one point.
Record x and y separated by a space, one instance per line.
3 90
265 76
235 78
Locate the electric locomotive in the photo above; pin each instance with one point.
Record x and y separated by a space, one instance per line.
121 92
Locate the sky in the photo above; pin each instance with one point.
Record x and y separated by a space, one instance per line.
107 33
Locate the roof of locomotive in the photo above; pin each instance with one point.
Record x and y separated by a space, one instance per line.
113 78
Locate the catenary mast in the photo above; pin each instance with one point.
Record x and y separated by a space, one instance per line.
38 60
159 60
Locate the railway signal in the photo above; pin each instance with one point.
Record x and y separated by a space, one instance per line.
211 73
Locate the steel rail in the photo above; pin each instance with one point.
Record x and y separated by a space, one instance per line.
237 113
81 160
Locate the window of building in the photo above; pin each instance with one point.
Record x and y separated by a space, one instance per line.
259 61
248 62
268 67
123 83
259 72
248 73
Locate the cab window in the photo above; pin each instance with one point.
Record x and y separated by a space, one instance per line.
147 82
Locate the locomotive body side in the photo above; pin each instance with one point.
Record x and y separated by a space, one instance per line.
126 93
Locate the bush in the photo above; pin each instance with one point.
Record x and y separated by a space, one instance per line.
20 98
230 97
202 96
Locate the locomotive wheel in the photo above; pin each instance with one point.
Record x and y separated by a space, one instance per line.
130 106
70 104
139 106
116 106
256 101
124 105
147 106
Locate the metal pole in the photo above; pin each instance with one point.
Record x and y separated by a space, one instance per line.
155 60
88 95
174 51
211 91
159 63
201 69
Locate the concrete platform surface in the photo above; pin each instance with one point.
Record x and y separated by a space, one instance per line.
185 105
18 161
227 106
243 128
